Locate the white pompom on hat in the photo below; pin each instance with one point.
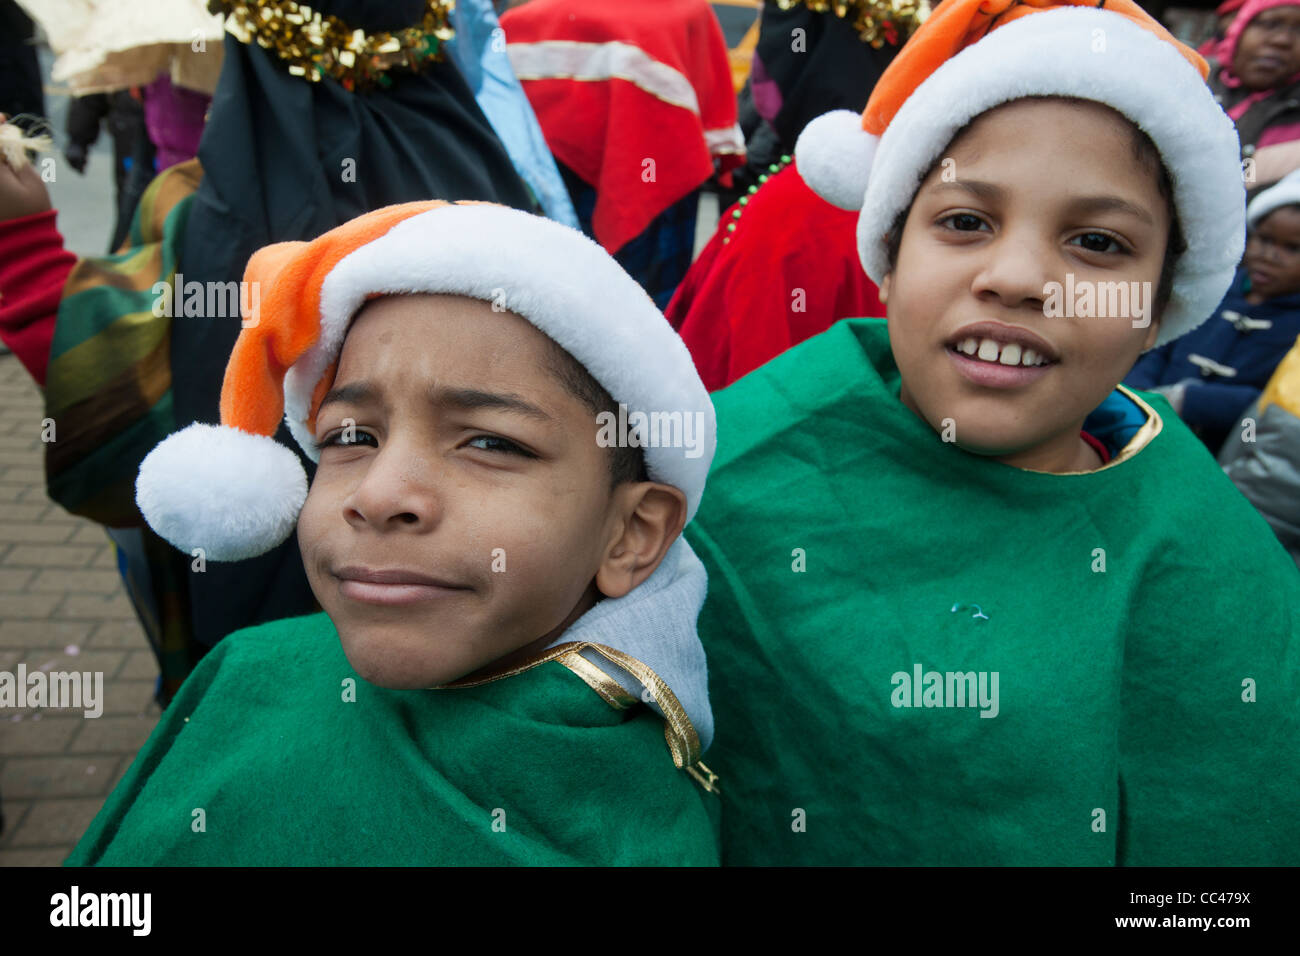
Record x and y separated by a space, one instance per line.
234 492
973 55
835 156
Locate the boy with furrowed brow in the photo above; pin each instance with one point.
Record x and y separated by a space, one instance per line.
508 635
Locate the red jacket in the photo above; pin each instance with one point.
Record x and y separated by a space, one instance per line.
33 269
635 97
789 271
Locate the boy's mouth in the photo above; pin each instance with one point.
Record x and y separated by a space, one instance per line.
1000 356
392 586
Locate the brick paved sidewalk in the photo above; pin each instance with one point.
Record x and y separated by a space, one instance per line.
62 608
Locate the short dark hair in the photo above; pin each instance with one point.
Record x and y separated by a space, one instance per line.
1144 151
625 463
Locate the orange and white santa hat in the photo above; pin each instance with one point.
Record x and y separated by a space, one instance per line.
235 492
973 55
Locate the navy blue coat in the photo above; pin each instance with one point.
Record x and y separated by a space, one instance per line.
1215 399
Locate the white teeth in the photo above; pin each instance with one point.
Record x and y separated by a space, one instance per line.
990 351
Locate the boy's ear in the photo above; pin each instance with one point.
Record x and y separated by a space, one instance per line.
884 288
649 518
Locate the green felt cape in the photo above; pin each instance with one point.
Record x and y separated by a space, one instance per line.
531 769
1146 713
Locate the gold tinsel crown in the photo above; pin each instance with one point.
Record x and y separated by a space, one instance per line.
877 21
315 45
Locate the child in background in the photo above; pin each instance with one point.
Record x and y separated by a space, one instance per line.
503 582
1257 80
969 602
1211 374
1262 454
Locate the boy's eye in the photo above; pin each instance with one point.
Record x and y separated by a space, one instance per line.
498 444
345 437
963 221
1098 242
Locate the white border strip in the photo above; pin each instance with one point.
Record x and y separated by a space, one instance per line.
724 142
571 60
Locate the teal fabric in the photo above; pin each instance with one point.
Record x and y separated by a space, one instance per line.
1124 731
1115 422
534 769
479 49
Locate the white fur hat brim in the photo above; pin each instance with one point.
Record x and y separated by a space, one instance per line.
561 282
233 494
1285 192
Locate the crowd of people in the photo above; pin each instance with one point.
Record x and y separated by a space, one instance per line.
832 541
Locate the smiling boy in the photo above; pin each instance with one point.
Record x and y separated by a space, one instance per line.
958 496
1257 81
1022 394
506 669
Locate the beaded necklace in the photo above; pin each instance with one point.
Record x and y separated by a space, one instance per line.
772 170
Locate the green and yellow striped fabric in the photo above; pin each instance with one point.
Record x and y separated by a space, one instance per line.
108 387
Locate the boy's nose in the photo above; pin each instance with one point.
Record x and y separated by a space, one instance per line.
1014 271
396 493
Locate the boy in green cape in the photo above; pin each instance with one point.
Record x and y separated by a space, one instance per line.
508 635
970 603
